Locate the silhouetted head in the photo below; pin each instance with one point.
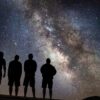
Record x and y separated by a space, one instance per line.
30 56
16 57
48 61
1 55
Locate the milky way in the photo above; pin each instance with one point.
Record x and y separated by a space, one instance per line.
65 31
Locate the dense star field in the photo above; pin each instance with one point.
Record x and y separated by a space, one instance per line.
67 31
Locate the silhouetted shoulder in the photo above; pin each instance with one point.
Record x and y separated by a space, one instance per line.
2 62
11 63
43 68
26 61
20 63
34 61
52 70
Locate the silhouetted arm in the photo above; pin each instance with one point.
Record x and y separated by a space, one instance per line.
54 71
35 66
9 70
25 67
4 68
20 70
41 70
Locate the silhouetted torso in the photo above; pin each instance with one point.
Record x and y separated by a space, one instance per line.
30 68
48 71
2 63
15 69
2 66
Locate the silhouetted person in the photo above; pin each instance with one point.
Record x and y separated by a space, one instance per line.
48 71
2 64
30 67
14 75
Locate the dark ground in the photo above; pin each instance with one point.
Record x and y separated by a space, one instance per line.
5 97
92 98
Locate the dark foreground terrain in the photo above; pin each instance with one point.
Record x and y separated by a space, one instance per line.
92 98
5 97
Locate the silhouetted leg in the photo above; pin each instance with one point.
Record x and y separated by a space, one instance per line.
0 77
44 92
10 90
33 91
16 90
50 93
25 91
0 81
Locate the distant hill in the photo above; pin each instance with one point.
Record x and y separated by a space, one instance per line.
6 97
92 98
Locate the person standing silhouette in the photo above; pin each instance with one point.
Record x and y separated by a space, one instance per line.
48 71
2 64
14 75
30 67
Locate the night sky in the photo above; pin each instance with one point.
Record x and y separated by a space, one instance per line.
67 31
